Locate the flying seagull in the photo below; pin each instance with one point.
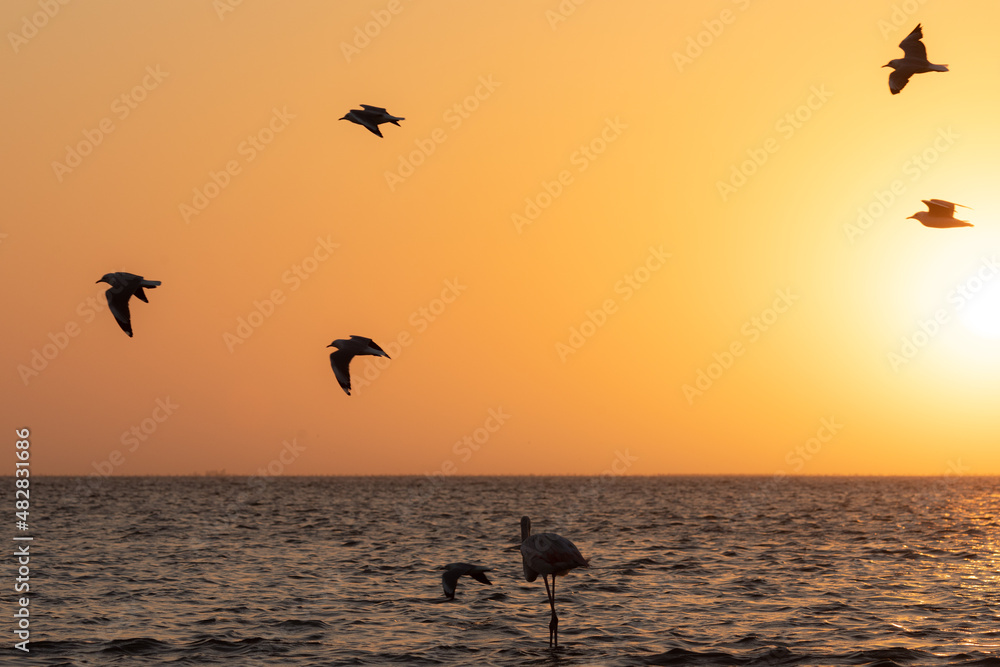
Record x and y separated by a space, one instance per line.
545 554
347 349
123 286
452 572
371 117
940 214
914 61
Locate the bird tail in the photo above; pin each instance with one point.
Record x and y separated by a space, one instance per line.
151 283
939 68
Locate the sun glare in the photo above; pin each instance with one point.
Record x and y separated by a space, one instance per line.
980 314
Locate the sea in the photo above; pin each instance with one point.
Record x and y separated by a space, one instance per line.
294 571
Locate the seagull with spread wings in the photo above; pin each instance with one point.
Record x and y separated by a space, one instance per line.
347 349
914 61
371 117
123 286
939 214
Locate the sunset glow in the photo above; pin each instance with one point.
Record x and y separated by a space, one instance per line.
642 238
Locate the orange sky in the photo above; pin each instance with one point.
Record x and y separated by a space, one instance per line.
608 237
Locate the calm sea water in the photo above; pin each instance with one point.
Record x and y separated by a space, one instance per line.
343 571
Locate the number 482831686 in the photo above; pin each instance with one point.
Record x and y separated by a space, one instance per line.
21 473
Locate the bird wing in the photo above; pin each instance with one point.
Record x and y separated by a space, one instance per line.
142 282
380 115
897 81
369 120
125 277
549 553
946 203
912 46
940 207
366 345
340 361
479 574
374 346
118 303
530 573
449 581
366 119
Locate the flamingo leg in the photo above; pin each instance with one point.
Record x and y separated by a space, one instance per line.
554 622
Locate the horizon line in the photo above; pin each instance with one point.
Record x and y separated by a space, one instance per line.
437 477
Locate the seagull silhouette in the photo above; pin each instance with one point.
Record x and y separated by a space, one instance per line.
347 349
123 286
914 61
939 214
371 117
452 572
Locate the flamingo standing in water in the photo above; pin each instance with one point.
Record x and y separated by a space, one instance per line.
545 554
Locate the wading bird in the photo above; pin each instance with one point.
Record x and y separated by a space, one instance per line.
452 572
545 554
123 286
914 61
347 349
939 214
371 117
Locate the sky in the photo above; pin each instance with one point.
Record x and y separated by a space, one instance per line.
633 238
